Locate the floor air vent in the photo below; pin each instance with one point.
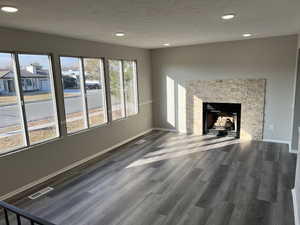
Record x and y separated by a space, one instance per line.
140 142
40 193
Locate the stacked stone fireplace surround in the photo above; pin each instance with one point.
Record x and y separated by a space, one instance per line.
249 93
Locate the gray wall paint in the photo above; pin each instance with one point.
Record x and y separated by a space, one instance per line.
29 165
297 187
296 137
296 122
271 58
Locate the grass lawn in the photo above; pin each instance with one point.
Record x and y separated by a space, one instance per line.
17 140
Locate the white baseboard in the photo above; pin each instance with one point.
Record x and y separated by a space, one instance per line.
282 142
277 141
296 216
73 165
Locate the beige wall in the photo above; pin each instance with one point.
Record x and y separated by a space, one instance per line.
272 59
29 165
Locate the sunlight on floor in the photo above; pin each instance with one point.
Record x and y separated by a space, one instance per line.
186 149
187 146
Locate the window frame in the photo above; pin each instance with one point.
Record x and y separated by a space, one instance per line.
21 102
123 83
58 92
84 97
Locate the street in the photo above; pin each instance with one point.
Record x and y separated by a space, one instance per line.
42 109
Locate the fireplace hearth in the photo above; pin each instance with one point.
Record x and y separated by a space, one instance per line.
222 119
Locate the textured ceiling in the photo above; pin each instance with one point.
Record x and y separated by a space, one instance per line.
150 23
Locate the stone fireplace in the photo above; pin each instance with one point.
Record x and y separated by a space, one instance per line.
249 94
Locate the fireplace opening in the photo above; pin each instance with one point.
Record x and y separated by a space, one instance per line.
222 119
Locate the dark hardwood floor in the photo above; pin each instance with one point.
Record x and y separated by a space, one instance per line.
174 179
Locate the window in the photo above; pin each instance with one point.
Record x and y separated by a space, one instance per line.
73 94
12 133
123 88
84 92
35 120
40 105
116 89
130 87
95 91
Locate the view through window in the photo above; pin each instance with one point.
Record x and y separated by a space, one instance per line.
130 87
84 92
28 113
12 133
123 88
29 77
95 91
39 97
116 89
73 93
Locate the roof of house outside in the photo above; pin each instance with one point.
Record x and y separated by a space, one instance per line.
7 74
3 73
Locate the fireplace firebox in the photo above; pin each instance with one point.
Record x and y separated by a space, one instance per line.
222 119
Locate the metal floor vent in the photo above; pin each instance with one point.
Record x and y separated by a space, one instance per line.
40 193
140 141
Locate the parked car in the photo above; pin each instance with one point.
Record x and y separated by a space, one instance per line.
91 84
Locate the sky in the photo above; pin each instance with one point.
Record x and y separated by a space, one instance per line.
24 59
69 62
27 59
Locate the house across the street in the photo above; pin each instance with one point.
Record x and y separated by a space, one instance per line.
33 78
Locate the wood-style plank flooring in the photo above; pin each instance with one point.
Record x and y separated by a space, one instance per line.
176 179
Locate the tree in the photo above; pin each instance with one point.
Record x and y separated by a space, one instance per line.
92 69
114 77
128 71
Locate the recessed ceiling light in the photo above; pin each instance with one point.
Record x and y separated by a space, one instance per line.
9 9
247 35
120 34
166 44
228 16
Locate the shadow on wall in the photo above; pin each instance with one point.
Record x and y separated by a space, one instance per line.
179 105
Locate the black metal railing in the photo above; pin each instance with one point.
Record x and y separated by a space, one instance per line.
18 214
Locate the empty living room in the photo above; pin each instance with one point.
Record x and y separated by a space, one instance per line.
139 112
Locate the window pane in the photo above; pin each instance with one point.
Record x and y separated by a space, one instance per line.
39 97
12 133
130 87
116 89
95 91
73 93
